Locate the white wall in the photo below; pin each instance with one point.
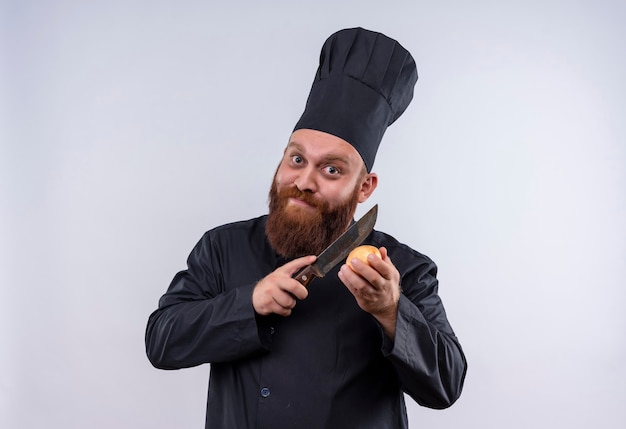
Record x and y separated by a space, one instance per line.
128 128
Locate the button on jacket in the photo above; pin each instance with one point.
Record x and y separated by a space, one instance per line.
327 365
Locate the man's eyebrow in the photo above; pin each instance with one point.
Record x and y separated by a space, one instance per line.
331 157
336 158
295 145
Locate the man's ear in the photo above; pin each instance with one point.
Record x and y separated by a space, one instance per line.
368 184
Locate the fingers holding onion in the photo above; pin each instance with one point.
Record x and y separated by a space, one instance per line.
361 253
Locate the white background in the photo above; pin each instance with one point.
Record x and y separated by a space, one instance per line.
128 128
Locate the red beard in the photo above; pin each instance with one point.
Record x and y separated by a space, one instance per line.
294 231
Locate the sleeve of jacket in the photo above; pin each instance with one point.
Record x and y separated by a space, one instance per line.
426 354
199 321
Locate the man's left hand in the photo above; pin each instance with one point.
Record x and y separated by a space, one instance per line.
376 287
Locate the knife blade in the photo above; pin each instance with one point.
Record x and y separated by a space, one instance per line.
339 249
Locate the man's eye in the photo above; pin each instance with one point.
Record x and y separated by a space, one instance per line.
332 170
296 159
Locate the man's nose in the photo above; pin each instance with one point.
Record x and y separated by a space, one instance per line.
305 181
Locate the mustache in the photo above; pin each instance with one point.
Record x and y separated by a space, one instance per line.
294 192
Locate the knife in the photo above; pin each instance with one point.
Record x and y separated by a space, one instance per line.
339 249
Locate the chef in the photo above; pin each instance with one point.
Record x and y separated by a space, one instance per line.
342 351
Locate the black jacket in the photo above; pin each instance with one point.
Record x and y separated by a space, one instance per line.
328 365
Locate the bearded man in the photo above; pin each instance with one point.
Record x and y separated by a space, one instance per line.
343 352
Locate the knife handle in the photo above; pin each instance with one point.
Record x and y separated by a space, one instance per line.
305 275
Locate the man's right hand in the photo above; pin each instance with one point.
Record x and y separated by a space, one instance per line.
278 291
